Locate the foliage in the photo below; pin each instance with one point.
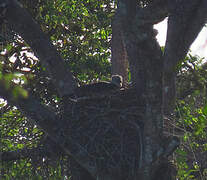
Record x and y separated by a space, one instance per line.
81 31
190 119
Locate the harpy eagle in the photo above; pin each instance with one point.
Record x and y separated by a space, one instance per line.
100 88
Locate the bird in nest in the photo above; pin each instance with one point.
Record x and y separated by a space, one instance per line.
100 88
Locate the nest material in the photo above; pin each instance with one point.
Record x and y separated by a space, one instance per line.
109 128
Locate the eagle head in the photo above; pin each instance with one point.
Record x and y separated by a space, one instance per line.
117 80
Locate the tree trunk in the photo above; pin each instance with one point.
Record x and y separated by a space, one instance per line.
119 55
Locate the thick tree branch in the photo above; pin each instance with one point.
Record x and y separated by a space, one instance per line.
159 9
23 23
185 22
55 127
145 60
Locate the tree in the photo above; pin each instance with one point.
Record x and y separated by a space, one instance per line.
118 136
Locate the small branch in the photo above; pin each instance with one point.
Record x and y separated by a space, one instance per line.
48 148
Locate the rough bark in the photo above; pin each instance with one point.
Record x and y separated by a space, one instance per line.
119 56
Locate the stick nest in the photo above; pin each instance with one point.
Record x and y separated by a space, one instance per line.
109 127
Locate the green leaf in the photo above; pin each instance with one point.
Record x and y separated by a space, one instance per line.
204 110
9 47
181 152
19 91
20 146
